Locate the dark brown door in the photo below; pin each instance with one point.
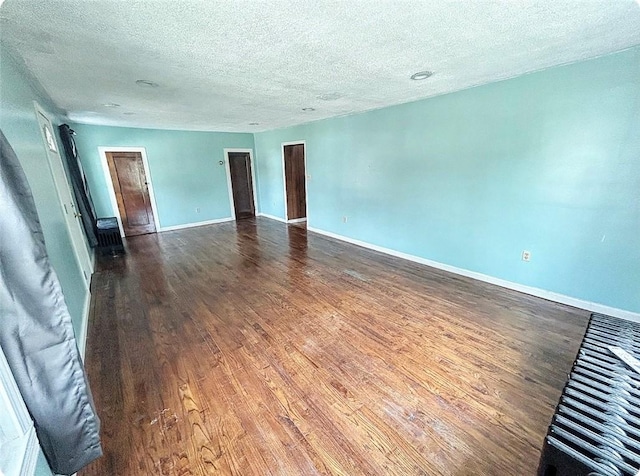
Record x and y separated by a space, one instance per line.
132 192
295 183
241 184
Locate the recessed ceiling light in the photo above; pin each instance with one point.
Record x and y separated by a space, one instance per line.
254 123
308 109
328 96
421 75
111 104
145 83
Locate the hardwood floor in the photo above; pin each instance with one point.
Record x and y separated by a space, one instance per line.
262 349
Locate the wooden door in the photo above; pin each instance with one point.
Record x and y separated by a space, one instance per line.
132 192
294 174
241 184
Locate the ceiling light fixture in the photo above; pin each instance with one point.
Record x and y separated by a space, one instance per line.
145 83
421 75
308 109
328 96
111 104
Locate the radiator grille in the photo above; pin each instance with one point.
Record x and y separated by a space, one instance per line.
596 427
108 232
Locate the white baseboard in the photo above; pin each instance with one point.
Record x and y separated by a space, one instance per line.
549 295
198 223
93 260
84 325
272 217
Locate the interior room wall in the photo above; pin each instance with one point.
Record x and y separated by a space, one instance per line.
548 162
18 121
184 167
20 126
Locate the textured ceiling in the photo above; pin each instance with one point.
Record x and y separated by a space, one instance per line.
222 65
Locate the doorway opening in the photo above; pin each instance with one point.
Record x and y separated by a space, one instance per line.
241 183
295 181
127 172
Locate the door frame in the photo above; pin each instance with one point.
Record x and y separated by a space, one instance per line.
112 193
284 183
227 169
20 425
81 251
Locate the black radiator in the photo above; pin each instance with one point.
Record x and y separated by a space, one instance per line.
108 233
596 427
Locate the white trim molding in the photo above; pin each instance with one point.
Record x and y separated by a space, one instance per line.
541 293
227 172
65 195
284 181
229 184
198 223
84 325
271 217
19 446
112 194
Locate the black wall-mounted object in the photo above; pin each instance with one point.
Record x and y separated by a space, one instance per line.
79 184
596 427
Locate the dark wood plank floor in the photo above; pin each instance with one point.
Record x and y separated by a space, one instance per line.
262 349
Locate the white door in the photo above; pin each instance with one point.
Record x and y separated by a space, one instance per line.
18 442
71 214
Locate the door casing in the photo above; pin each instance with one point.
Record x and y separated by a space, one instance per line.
65 196
112 194
284 182
229 185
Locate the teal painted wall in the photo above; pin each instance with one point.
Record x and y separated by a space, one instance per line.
184 168
19 124
548 162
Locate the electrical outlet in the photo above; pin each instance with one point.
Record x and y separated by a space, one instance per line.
344 219
197 209
526 255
